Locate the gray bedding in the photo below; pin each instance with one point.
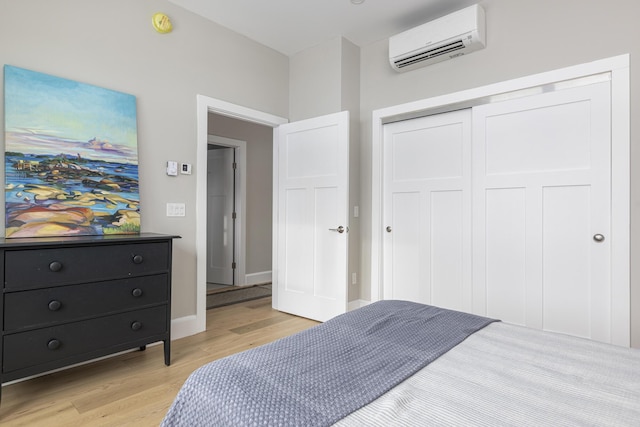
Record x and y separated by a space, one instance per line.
506 375
319 376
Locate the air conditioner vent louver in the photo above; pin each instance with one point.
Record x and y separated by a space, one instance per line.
431 53
448 37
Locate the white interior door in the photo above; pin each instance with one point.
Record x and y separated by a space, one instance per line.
542 211
220 207
427 210
312 216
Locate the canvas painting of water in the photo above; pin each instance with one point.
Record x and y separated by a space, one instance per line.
71 158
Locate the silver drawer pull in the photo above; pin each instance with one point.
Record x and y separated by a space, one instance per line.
137 292
137 259
136 326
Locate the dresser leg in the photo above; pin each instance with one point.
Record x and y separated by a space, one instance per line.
167 352
143 347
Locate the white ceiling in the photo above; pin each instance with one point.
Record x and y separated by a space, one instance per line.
291 26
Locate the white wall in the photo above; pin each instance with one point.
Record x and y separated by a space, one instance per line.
112 44
524 37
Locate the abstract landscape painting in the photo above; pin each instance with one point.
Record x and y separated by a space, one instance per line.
71 158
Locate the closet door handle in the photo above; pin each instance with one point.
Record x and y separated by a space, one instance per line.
598 238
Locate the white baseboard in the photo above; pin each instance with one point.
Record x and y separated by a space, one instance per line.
258 278
357 304
184 327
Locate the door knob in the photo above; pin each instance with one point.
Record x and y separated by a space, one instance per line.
598 237
388 229
340 229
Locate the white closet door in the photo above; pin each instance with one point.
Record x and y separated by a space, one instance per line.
427 210
542 205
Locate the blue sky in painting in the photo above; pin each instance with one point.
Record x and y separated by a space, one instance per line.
45 111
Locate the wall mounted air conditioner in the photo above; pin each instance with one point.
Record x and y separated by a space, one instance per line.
444 38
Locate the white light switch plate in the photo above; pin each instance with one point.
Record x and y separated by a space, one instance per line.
176 209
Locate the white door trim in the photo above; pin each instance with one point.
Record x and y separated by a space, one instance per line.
618 66
239 246
205 105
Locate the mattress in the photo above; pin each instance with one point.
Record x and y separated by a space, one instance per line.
507 375
403 364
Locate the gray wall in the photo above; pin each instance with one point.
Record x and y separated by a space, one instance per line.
112 44
524 37
325 79
259 169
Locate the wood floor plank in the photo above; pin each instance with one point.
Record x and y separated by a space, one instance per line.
136 388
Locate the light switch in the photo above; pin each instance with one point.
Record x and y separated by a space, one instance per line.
176 209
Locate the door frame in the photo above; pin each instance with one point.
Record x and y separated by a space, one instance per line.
240 194
206 105
618 68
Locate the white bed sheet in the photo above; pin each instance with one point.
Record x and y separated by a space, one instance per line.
506 375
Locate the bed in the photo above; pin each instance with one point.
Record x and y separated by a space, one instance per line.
399 363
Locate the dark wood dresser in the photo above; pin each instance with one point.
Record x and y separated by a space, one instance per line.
72 299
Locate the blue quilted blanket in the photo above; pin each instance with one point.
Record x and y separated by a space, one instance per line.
321 375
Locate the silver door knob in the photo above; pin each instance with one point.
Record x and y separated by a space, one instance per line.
598 237
388 229
340 229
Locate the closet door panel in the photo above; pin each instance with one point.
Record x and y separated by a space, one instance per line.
566 260
427 210
506 254
538 257
447 248
406 249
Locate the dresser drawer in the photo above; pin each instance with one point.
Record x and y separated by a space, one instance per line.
26 349
44 307
28 269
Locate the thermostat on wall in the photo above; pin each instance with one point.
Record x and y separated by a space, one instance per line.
185 168
172 168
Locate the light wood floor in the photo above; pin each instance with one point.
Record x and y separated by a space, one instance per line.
136 389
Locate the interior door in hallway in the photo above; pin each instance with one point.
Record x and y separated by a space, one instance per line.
220 213
427 210
312 216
